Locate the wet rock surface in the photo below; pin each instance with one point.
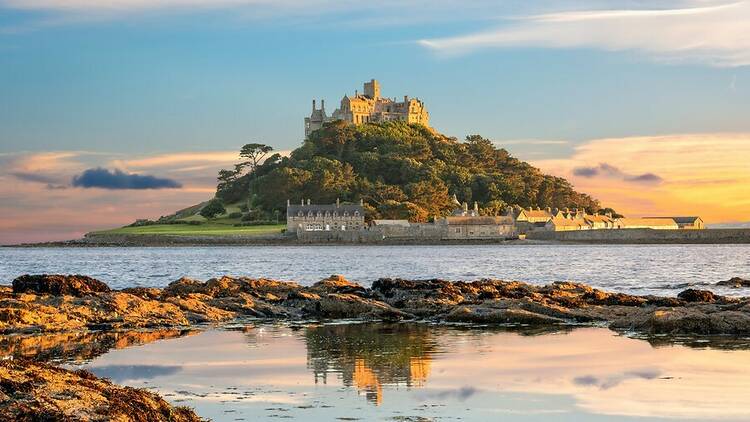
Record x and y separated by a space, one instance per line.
735 282
32 391
186 302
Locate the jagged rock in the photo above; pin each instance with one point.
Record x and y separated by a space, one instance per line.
39 392
695 295
58 285
735 282
149 293
337 284
489 315
188 301
349 306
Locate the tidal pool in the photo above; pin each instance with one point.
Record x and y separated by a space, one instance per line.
419 372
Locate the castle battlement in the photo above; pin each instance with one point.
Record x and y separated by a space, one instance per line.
368 107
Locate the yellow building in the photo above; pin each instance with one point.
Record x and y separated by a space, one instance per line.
368 107
647 223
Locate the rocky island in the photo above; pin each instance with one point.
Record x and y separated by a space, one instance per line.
75 307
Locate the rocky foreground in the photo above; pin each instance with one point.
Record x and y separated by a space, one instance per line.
46 303
73 306
39 392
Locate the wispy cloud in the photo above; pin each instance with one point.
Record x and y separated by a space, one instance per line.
611 172
712 32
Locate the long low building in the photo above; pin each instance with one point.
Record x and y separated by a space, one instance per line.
647 223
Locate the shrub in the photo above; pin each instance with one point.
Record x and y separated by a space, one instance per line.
212 209
235 214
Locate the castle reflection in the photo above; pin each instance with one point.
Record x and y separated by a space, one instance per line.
369 356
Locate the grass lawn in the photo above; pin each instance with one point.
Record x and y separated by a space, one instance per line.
207 229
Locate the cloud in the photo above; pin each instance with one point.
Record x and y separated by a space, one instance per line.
26 192
610 171
117 179
703 174
708 31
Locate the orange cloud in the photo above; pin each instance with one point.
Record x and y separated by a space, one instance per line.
700 174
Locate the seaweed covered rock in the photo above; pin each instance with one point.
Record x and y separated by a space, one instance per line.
40 392
735 282
59 285
696 295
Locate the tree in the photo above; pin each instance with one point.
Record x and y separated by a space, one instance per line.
254 153
212 209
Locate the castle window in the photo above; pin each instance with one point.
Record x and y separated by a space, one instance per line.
309 213
300 214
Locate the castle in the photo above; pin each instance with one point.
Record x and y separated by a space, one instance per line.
369 107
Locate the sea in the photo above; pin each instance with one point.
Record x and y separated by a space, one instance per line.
638 269
411 371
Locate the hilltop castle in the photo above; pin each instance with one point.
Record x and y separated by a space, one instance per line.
369 107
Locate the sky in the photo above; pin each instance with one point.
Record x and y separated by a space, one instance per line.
112 110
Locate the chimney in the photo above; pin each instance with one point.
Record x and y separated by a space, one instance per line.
313 105
361 202
303 202
476 206
337 202
288 203
308 202
549 210
406 98
323 105
466 206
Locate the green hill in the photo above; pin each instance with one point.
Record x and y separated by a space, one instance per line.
400 171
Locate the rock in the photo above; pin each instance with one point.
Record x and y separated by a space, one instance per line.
735 282
349 306
149 293
58 285
39 392
490 315
337 284
695 295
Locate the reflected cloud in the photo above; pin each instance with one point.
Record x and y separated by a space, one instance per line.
615 380
124 373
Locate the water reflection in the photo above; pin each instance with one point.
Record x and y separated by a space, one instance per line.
426 372
79 346
369 355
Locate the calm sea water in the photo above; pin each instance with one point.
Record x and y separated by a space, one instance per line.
644 269
419 372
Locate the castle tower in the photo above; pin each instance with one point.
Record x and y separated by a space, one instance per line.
372 89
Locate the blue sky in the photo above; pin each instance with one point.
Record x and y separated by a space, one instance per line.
141 86
184 77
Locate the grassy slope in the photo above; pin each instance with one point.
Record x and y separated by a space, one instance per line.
207 229
219 226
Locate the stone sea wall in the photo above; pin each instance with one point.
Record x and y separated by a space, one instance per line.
638 236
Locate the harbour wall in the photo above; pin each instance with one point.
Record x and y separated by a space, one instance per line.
644 236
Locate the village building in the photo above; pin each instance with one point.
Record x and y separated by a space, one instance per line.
647 223
534 216
332 217
468 224
478 227
560 223
687 223
368 107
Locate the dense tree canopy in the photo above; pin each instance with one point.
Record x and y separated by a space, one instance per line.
400 171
